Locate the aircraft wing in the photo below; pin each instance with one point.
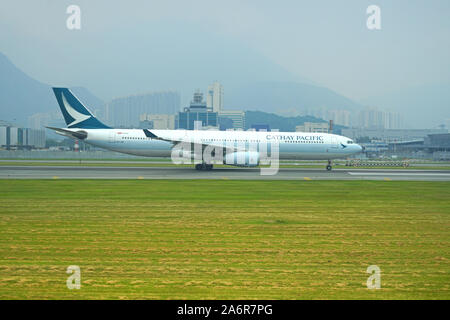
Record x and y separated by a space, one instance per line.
228 148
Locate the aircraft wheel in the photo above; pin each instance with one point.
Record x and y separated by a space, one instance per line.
203 167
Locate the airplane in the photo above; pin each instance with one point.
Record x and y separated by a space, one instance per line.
240 148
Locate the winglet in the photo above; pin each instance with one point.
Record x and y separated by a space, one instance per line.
148 134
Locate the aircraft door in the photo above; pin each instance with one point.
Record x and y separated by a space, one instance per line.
334 142
112 136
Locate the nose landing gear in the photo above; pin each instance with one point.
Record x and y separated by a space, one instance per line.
329 167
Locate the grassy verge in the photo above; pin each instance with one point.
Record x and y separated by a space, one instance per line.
168 164
224 239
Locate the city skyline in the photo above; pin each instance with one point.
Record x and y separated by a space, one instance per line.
403 67
130 111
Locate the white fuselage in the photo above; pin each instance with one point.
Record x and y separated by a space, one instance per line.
292 145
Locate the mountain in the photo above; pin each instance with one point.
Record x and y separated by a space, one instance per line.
275 121
286 97
21 96
150 57
415 105
281 123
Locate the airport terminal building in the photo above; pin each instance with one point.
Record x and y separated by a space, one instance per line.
433 146
197 112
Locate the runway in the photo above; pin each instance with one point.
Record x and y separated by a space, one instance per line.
116 172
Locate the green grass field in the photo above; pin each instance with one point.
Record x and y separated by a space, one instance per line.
143 239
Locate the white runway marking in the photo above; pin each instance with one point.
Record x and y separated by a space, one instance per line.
399 174
113 172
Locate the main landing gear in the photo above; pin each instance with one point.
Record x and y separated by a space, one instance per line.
203 167
329 167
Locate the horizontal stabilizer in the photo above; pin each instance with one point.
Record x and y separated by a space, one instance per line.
79 134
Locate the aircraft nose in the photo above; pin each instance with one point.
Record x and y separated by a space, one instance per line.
360 148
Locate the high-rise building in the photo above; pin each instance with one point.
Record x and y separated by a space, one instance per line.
157 121
49 119
214 97
21 138
237 116
321 127
393 120
373 118
34 138
39 120
3 137
341 117
125 112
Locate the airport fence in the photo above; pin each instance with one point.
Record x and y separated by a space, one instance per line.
365 163
45 154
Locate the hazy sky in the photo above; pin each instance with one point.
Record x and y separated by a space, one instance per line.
326 42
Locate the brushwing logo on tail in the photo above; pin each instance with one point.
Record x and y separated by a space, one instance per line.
77 116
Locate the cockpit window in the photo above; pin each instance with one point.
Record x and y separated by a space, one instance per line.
349 142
